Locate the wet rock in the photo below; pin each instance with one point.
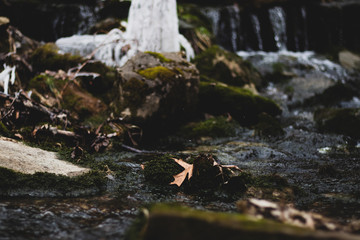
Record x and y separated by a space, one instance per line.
157 88
223 66
244 106
25 159
334 94
340 121
349 60
176 222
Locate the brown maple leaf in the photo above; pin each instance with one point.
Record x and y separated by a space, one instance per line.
188 171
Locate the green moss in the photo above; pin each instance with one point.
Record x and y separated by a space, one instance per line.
213 127
3 130
268 126
47 57
159 56
159 72
243 106
46 84
340 121
134 93
161 170
12 181
170 221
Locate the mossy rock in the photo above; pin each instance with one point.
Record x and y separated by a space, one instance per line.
159 56
268 126
226 67
212 127
80 102
47 57
241 104
156 91
340 121
170 221
334 94
159 72
161 170
12 182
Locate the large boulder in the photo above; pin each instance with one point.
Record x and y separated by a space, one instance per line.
157 89
243 105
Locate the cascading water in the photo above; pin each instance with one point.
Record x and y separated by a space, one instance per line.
277 17
256 24
152 26
288 32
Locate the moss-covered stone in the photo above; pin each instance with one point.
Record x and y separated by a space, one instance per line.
241 104
226 67
47 57
11 181
169 221
213 127
334 94
161 170
340 121
154 94
159 72
159 56
268 126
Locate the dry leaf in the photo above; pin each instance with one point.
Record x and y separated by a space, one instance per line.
188 171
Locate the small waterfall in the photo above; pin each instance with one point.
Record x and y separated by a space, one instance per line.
304 19
87 17
234 25
277 17
214 15
256 23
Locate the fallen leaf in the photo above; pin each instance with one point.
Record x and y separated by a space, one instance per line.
187 173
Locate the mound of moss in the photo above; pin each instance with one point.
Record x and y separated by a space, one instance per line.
47 57
213 127
158 72
241 104
11 182
161 170
268 126
226 67
341 121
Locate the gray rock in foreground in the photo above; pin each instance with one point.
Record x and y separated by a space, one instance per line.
21 158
